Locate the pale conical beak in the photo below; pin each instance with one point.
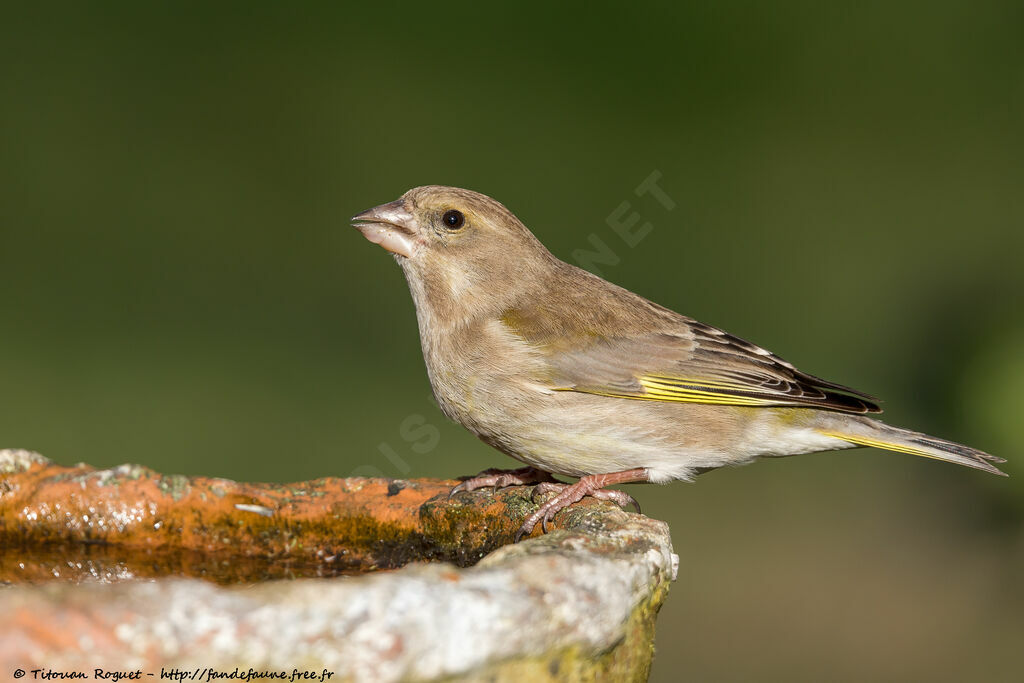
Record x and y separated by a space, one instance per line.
389 225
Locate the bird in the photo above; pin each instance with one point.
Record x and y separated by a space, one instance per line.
575 376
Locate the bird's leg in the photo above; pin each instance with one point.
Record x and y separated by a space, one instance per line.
590 485
497 479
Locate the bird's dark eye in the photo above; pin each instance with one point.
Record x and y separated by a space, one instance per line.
452 219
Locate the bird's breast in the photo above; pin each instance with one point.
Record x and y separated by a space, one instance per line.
482 375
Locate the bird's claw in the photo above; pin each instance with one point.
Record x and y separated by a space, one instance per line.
620 498
497 479
566 496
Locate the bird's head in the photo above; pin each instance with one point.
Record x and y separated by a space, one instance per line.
461 251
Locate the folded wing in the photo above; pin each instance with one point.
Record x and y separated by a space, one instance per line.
694 363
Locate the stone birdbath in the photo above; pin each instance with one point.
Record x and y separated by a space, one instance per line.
135 573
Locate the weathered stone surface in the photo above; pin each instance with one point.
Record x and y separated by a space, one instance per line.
576 604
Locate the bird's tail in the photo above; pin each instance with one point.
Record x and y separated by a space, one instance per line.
864 431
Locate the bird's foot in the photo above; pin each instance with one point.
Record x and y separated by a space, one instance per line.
591 485
497 479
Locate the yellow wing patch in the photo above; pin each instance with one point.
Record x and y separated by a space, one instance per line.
691 391
659 388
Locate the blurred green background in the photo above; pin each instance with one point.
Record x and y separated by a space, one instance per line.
180 286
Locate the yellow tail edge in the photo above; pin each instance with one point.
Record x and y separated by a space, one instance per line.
886 445
977 462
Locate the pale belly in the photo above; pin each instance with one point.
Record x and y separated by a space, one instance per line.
577 434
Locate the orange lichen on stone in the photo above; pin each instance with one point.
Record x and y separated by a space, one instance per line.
80 522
